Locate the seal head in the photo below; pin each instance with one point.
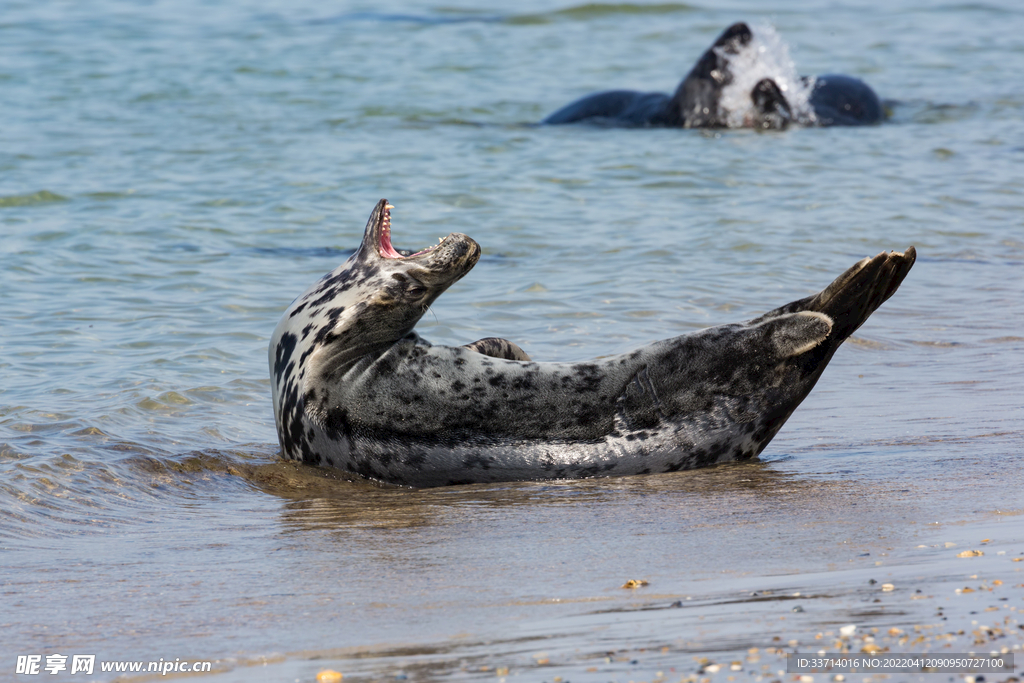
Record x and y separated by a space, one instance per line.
378 295
358 309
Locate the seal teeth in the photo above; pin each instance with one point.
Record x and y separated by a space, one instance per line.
385 248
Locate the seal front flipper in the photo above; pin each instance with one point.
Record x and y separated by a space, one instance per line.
773 110
794 333
498 348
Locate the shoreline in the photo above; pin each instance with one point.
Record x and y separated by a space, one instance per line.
925 599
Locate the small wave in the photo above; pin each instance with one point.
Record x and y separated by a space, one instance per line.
306 252
393 17
584 12
597 10
41 197
766 56
109 196
921 111
114 483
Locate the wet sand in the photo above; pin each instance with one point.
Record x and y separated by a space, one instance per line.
744 564
930 601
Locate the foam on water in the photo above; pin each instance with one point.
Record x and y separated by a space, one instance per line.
766 56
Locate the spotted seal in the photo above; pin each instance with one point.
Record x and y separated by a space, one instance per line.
702 99
355 388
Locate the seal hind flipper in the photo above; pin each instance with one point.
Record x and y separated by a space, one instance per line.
856 294
498 348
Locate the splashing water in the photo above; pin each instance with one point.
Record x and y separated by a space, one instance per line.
766 56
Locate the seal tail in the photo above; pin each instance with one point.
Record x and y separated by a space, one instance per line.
856 294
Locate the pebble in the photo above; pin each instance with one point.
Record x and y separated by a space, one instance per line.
328 676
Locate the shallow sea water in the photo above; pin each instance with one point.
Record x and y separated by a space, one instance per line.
172 175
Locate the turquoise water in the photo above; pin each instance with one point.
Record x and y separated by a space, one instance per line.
172 175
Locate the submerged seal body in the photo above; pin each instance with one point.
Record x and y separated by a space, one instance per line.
355 388
698 102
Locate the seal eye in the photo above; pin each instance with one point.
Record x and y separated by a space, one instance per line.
416 291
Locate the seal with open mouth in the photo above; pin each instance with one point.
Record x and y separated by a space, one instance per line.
355 388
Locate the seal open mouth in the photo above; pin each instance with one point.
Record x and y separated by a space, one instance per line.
384 247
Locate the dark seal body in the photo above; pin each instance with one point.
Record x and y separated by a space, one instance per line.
834 100
355 388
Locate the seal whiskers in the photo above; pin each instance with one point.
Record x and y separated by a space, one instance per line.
354 387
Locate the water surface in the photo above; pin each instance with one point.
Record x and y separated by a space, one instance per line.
172 175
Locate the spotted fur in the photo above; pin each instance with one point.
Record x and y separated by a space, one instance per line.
355 388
